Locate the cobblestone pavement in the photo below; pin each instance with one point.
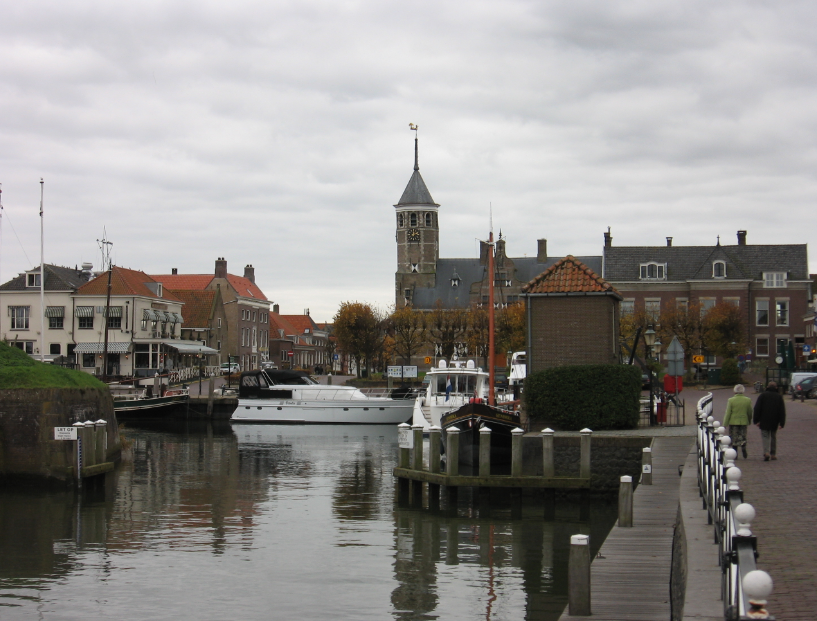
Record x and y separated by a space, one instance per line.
784 495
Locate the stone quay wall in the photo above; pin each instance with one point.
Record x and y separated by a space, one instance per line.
27 420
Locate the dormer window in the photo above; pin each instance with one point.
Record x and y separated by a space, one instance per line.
653 271
774 280
32 280
719 269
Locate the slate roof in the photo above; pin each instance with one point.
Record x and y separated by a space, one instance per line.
124 282
569 275
198 307
57 278
416 192
471 271
621 263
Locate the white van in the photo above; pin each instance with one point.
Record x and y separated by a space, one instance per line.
797 377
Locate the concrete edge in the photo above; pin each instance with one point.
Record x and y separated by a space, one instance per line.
702 595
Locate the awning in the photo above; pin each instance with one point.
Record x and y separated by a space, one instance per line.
84 311
149 315
98 348
167 316
177 318
55 311
114 311
190 347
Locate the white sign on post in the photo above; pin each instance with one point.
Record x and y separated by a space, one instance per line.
403 372
405 437
65 433
393 371
409 371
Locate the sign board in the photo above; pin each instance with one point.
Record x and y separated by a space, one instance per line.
65 433
698 359
806 349
335 357
401 371
646 468
428 360
405 437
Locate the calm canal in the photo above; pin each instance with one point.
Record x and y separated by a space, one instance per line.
276 522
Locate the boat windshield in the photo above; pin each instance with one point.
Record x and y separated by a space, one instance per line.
288 378
460 383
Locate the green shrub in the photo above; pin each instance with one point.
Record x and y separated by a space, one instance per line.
730 373
597 396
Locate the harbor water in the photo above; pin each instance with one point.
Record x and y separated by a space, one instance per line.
277 522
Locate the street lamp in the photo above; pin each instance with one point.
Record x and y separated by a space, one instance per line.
649 341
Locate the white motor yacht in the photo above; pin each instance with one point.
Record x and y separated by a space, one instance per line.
274 396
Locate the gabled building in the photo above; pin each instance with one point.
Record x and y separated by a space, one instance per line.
205 319
572 317
297 342
770 283
246 310
21 316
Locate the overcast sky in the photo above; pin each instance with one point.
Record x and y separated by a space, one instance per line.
276 133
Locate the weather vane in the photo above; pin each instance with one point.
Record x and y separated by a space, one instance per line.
413 128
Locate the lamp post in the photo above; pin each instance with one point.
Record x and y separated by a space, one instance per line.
649 341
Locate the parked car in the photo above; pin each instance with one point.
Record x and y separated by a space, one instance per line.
798 377
501 381
228 368
806 388
269 366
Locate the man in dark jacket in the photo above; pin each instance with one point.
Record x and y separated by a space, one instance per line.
769 414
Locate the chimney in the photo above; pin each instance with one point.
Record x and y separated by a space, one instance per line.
741 238
306 312
541 251
669 242
608 239
221 267
174 271
249 273
276 309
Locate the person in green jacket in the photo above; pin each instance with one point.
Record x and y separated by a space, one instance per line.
738 416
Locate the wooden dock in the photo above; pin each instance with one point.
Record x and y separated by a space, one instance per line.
630 576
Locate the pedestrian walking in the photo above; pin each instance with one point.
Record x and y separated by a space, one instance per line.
738 415
769 415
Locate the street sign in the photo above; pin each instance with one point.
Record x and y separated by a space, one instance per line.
65 433
675 357
335 357
698 359
403 372
410 371
394 371
428 359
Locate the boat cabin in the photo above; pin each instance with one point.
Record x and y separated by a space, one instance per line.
258 384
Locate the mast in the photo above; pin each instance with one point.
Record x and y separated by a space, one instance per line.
491 277
105 245
1 220
42 275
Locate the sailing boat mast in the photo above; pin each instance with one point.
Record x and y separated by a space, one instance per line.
491 277
42 275
105 246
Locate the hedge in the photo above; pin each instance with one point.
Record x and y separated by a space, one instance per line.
596 396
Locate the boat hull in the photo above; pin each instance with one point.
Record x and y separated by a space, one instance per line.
369 412
152 406
469 418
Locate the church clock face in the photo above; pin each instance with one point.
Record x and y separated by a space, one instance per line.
413 235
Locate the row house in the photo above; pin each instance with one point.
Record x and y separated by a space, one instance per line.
297 342
770 283
243 334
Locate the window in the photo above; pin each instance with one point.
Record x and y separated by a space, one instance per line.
774 280
732 301
253 315
243 315
114 317
32 280
413 219
682 304
400 220
762 346
706 304
26 346
627 307
653 271
219 322
428 219
719 269
762 315
141 355
218 346
88 360
254 338
19 317
781 312
55 323
653 307
54 349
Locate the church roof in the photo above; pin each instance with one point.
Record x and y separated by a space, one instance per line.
569 275
416 192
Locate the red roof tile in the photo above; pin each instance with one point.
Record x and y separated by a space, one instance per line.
245 287
198 306
188 282
124 282
301 323
569 275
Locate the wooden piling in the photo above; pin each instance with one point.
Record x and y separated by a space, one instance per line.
625 502
434 449
100 435
417 432
646 466
453 459
578 576
211 396
484 451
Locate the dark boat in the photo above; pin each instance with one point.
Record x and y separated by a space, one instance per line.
140 402
469 418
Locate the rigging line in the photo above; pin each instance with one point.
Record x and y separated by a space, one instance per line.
17 236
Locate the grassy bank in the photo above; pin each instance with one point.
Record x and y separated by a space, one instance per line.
19 370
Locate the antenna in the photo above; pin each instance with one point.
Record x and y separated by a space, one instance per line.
105 248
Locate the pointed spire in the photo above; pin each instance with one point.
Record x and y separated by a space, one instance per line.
416 192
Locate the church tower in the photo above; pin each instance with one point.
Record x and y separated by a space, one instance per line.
418 237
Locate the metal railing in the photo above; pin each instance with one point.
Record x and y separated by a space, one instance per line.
185 374
744 588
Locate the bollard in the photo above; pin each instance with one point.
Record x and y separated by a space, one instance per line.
516 452
417 432
625 502
211 396
434 449
101 433
578 576
584 469
548 467
453 462
646 466
404 432
757 586
484 451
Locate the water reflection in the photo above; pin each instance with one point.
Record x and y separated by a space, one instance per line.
262 521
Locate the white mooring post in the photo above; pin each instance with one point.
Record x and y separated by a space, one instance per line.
646 466
89 440
404 434
516 451
101 433
578 576
434 449
453 461
625 502
584 469
484 451
548 467
78 451
417 463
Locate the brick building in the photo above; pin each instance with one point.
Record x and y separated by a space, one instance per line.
769 282
573 317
